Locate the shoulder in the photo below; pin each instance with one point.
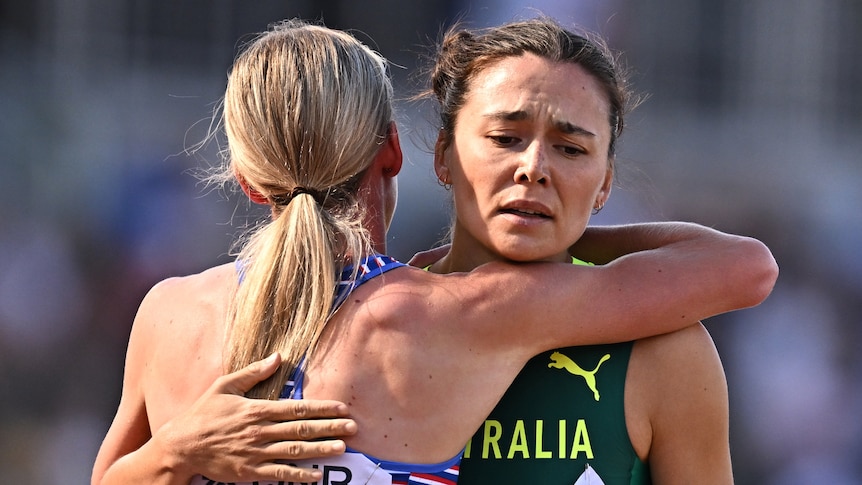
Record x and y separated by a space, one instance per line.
403 289
411 297
675 381
210 284
180 325
681 362
676 374
424 294
186 303
204 292
692 342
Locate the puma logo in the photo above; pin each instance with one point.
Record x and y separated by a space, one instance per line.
560 361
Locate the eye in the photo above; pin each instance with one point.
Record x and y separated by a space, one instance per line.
572 150
503 140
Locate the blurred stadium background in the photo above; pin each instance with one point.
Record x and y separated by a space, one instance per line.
752 125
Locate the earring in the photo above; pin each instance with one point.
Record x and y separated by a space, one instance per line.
445 183
598 207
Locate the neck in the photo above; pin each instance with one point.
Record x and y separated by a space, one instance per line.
467 253
376 225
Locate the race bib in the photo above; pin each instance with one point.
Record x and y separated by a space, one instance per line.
347 469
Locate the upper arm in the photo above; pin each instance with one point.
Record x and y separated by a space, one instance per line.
128 432
686 403
130 428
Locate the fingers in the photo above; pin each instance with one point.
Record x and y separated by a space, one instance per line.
300 450
429 257
305 430
270 471
279 456
290 474
291 409
243 380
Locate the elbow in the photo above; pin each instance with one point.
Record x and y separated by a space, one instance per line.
761 270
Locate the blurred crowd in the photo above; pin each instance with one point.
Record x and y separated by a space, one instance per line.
752 125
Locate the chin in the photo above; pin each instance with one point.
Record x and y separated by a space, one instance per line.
526 254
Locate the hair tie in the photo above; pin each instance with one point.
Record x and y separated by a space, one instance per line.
284 199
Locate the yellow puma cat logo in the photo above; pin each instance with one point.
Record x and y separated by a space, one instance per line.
560 361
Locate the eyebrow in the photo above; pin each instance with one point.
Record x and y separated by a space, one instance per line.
520 115
570 129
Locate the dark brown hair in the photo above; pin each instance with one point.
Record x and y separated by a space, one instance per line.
463 53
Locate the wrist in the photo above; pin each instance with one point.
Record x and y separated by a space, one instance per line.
170 456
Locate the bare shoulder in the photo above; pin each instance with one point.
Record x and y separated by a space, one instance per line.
171 301
681 363
207 286
414 301
394 294
690 343
180 325
188 306
676 381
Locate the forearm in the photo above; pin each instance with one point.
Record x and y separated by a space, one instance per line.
152 463
225 436
703 271
603 244
720 271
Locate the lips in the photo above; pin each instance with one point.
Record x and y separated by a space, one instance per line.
524 213
527 209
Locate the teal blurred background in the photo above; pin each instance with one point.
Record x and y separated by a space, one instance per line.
752 125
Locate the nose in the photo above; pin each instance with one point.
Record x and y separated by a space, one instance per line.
532 166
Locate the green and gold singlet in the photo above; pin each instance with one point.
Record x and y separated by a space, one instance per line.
563 418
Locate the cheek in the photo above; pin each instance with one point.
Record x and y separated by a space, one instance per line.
581 194
470 159
474 178
477 190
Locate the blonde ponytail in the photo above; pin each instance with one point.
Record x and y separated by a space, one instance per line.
306 108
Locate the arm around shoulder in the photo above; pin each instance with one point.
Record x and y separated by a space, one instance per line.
744 263
661 277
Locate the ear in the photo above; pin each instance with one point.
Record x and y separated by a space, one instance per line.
389 158
252 194
607 184
441 166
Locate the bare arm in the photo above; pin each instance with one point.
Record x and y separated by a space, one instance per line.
225 435
675 274
680 397
221 433
598 244
603 244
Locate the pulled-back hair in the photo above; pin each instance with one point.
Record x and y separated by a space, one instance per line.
305 111
463 53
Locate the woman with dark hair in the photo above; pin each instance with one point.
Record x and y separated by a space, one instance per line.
530 114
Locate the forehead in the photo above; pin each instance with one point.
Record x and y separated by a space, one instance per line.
537 88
